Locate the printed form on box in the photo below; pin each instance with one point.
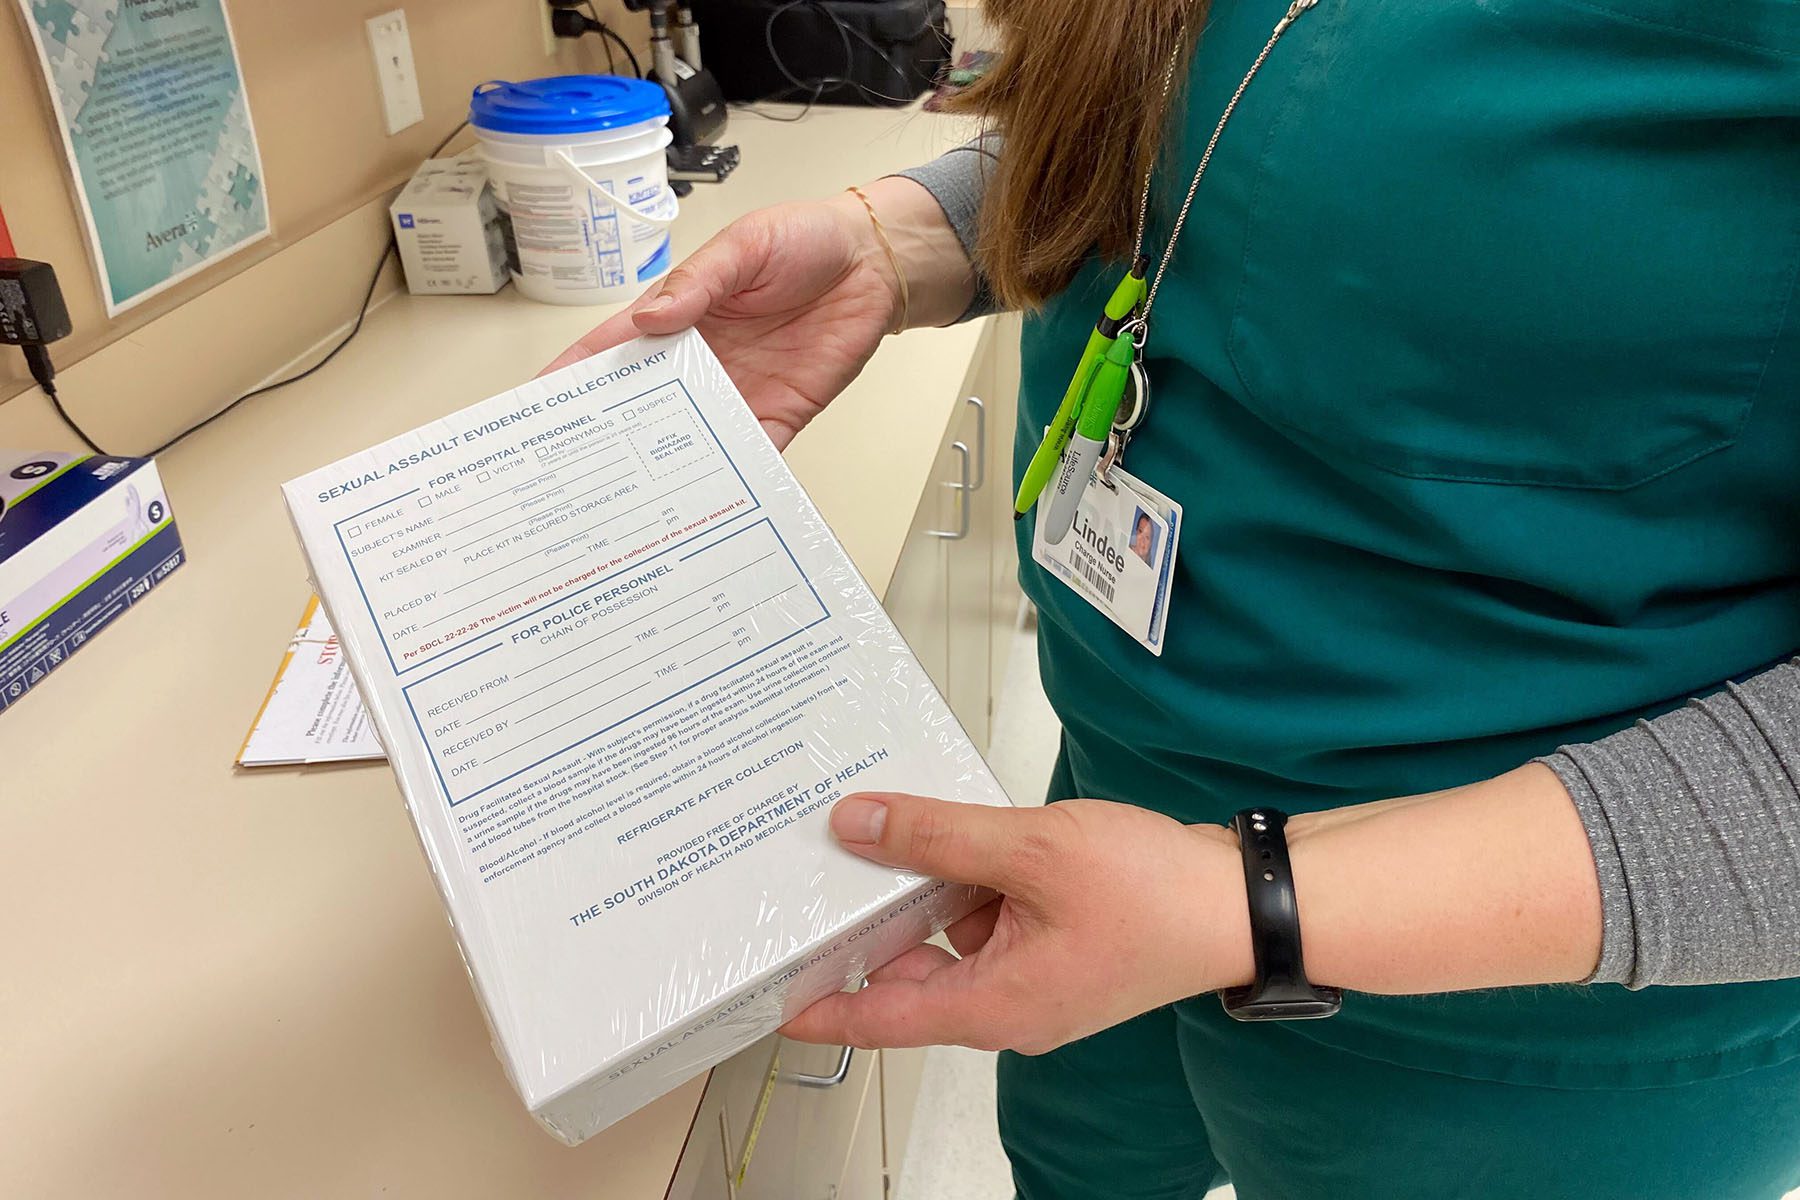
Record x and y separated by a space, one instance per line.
623 669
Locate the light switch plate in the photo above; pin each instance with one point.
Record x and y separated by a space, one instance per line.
392 48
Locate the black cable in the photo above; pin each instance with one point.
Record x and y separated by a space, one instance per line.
44 371
612 64
57 404
630 55
604 30
362 312
355 328
812 100
885 52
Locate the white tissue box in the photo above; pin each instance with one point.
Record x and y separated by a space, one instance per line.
453 238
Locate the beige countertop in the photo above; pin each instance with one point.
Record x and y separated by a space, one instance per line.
229 983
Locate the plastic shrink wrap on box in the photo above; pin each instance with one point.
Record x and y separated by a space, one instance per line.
622 669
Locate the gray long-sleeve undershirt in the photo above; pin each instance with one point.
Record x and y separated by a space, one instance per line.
1693 818
957 180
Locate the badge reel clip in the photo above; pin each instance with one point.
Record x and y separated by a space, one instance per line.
1134 408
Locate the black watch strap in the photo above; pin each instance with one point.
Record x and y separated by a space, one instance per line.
1281 991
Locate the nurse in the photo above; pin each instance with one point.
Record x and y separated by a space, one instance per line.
1472 336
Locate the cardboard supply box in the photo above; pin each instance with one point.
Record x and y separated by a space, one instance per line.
623 669
453 238
81 540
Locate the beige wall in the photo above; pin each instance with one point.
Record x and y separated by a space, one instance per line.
326 155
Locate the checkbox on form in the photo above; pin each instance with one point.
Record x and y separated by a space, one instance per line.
353 532
543 451
483 477
424 501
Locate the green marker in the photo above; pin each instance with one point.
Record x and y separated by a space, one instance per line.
1125 300
1104 393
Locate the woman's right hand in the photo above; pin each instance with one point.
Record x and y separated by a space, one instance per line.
794 299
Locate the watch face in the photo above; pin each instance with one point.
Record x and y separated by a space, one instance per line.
1324 1002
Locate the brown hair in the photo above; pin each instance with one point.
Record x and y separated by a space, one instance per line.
1077 94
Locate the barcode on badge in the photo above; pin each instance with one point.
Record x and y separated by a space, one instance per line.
1095 580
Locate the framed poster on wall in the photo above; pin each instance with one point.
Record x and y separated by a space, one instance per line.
151 108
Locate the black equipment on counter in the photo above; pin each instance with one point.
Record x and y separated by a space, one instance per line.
696 107
873 52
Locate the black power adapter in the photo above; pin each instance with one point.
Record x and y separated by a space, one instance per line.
32 314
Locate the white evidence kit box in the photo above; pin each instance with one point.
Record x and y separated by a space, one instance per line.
623 669
453 238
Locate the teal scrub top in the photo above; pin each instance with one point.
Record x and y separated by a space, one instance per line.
1478 376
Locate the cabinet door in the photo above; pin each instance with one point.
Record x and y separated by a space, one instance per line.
701 1173
958 558
969 566
917 594
776 1123
902 1071
865 1176
1002 422
807 1127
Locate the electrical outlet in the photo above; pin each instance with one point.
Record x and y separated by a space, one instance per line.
392 48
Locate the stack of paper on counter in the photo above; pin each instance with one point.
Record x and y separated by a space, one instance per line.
312 713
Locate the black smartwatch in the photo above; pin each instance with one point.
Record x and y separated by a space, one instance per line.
1281 992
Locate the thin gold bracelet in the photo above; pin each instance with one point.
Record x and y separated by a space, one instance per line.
893 258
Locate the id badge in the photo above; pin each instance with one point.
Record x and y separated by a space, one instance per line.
1119 554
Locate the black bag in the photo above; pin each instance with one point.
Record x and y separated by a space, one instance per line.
834 51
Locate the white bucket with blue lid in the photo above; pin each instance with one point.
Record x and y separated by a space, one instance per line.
577 163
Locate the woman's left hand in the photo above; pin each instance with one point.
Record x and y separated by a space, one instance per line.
1106 911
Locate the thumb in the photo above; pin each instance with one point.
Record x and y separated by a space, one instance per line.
704 280
684 296
1000 848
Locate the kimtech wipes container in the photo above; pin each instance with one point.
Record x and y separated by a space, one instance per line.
622 670
577 164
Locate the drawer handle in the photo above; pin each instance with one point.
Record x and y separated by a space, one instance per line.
980 442
962 531
799 1079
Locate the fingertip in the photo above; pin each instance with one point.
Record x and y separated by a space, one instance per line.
891 1012
798 1030
819 1023
573 354
859 820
